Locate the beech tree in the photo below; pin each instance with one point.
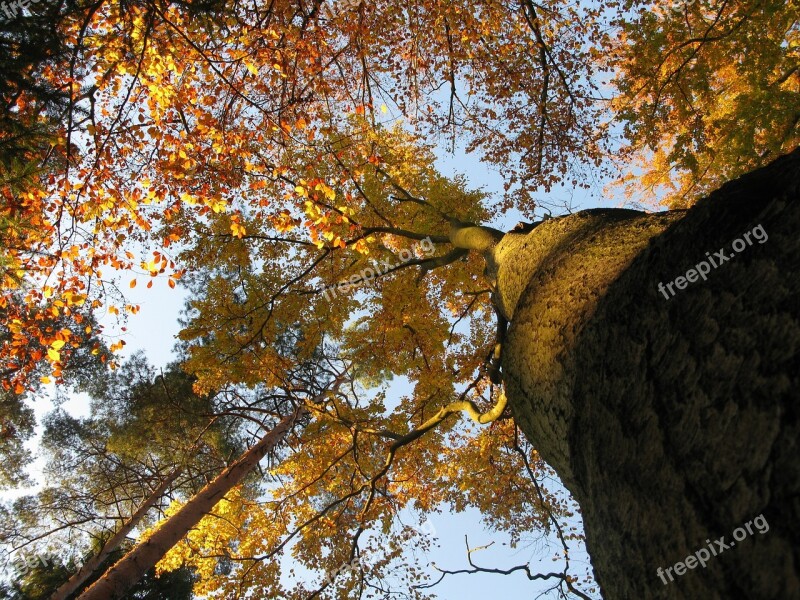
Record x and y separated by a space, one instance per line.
278 159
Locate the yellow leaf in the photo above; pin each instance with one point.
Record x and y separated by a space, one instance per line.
330 194
53 355
57 345
44 379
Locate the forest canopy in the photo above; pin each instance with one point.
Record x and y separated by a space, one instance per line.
262 154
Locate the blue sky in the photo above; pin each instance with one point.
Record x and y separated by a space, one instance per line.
153 331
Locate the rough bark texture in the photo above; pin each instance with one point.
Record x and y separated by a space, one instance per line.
672 421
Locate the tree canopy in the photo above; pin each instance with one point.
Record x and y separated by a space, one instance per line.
278 159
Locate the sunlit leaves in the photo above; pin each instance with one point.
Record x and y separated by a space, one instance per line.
279 159
708 91
193 115
389 322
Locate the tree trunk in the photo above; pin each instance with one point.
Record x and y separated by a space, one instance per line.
672 419
120 577
90 566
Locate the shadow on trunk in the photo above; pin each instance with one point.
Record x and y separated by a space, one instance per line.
672 417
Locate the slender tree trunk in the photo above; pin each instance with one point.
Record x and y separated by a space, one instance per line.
673 418
90 566
120 577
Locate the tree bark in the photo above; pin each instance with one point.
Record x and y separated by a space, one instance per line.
673 420
91 565
129 569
